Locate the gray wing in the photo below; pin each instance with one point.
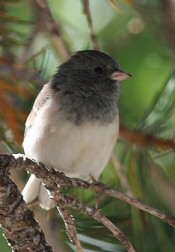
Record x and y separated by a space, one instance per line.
40 101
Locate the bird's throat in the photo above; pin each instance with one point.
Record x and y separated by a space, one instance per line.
80 109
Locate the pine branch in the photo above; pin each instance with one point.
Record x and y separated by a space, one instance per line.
61 199
53 28
70 224
93 36
55 181
60 181
19 161
20 228
143 140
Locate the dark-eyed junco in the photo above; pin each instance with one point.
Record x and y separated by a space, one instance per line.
73 125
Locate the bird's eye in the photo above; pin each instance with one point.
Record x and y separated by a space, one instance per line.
98 70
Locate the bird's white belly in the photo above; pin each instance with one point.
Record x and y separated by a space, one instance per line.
76 150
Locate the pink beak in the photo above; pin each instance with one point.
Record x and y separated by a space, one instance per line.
120 75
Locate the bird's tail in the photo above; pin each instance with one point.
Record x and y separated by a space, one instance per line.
34 191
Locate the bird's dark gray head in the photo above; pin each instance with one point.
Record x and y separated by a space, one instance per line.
90 79
86 71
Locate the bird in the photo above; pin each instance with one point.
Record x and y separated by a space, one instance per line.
74 123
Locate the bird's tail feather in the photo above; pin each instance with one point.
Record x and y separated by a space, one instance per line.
35 190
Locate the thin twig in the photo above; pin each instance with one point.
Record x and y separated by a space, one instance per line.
53 28
59 198
93 36
70 225
121 174
115 6
168 22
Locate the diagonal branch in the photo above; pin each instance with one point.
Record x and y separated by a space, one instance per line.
59 198
69 224
87 12
53 28
121 174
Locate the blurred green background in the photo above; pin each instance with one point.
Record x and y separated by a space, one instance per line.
140 35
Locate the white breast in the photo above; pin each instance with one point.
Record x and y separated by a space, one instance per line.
77 150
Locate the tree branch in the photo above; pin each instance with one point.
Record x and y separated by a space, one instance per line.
69 223
55 181
93 36
60 180
19 161
59 198
53 28
121 174
21 230
143 140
